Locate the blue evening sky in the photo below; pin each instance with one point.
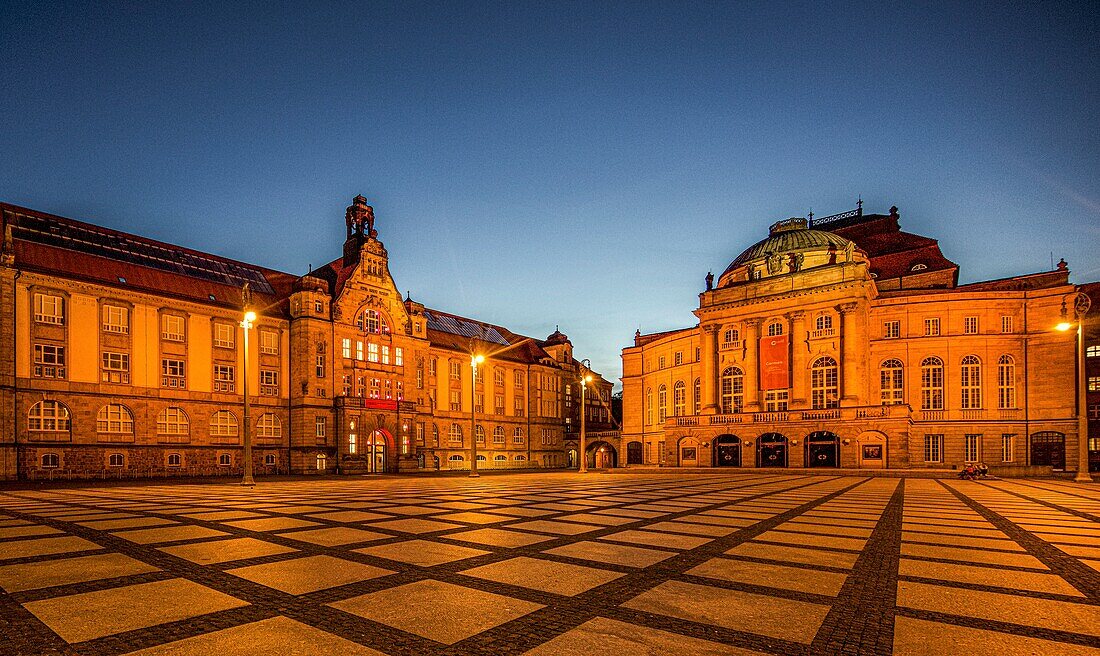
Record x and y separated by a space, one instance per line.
573 164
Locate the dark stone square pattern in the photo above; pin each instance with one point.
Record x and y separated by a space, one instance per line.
555 563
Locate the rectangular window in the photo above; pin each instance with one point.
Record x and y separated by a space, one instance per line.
49 308
345 348
456 401
318 307
519 409
420 434
1008 447
433 363
1094 384
269 342
498 377
372 352
661 362
970 325
269 382
116 368
776 400
399 356
225 379
479 402
972 448
518 378
346 382
385 354
172 373
456 370
1006 324
359 351
419 378
223 335
932 327
1094 411
933 448
116 319
891 329
498 404
49 361
171 328
678 359
319 365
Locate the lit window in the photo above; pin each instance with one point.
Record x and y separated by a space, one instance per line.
223 424
372 352
1093 351
931 379
269 425
918 267
319 365
114 418
372 322
1094 384
322 462
269 342
269 382
892 382
433 364
345 347
48 417
173 422
970 383
223 335
49 308
116 319
319 426
224 378
498 377
824 388
399 356
171 328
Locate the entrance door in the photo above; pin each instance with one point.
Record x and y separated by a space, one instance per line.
1049 448
822 449
634 453
605 458
772 450
375 451
727 451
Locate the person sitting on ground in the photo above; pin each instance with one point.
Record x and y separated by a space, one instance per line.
983 470
969 472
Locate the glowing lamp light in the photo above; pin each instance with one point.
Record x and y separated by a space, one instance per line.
477 359
249 316
1064 326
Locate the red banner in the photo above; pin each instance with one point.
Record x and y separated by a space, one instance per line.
774 370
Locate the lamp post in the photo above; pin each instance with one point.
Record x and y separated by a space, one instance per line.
475 359
1081 304
249 319
585 379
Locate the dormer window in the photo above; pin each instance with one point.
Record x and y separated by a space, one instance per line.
919 266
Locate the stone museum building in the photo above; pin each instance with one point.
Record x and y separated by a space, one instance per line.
846 342
124 356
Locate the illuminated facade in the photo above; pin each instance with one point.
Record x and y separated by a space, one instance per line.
845 342
123 356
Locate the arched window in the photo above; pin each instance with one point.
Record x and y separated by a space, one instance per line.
679 398
223 423
116 460
269 425
173 422
269 460
520 458
322 462
456 458
498 435
114 418
662 404
479 433
174 460
500 457
931 383
970 383
919 266
824 390
456 433
50 461
225 460
733 390
49 417
730 336
517 435
481 458
649 405
370 321
697 401
1006 382
892 382
775 329
823 322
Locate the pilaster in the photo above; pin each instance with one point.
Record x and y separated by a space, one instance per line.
797 322
752 365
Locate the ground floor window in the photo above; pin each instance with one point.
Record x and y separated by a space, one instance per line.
174 460
1008 447
973 448
116 460
322 462
224 460
269 460
50 461
933 448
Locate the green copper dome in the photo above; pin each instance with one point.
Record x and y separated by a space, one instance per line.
789 236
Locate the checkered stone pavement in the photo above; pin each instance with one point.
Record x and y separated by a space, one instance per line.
745 563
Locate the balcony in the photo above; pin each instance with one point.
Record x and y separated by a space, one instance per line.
731 346
793 416
1011 414
770 417
972 414
820 415
823 333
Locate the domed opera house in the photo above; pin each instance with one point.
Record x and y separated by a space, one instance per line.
121 356
844 342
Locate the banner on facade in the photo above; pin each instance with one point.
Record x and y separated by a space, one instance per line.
773 363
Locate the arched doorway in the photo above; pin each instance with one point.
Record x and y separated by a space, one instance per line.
1048 448
822 449
602 455
571 454
634 453
727 451
872 450
374 451
689 452
771 450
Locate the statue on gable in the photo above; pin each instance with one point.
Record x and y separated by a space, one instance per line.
710 281
849 251
794 261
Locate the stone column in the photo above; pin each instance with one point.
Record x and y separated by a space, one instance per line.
710 373
849 359
752 365
799 352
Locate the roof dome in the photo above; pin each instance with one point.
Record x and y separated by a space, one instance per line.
789 236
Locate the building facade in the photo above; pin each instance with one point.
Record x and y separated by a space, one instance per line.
123 356
846 342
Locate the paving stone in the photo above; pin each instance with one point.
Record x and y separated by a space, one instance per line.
271 524
496 537
795 555
422 552
773 576
605 636
335 536
168 534
44 547
544 575
414 525
654 539
65 571
991 576
223 551
924 638
277 636
616 554
309 574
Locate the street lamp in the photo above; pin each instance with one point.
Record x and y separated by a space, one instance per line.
1081 304
249 319
585 379
475 359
